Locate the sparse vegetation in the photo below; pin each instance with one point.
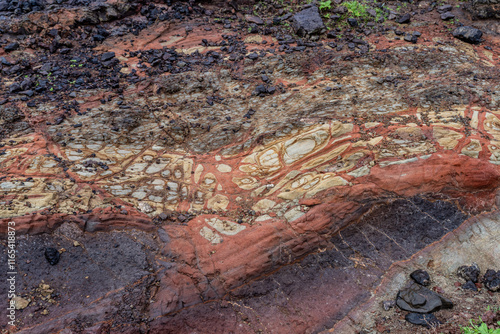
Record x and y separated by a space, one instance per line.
325 5
479 327
356 9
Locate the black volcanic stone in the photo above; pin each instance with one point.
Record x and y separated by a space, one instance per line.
52 255
469 286
491 280
307 22
352 22
11 47
426 320
447 16
419 299
107 56
404 19
421 277
468 34
469 273
411 38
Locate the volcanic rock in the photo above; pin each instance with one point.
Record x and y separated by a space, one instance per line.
419 299
468 34
274 205
444 8
491 280
307 22
52 255
411 38
421 277
426 320
447 16
469 273
469 285
352 22
11 47
107 56
404 19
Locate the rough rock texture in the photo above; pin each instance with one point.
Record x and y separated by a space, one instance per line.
180 200
419 299
468 34
308 21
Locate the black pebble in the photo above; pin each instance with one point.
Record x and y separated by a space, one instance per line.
52 255
426 320
491 280
352 22
11 47
404 19
469 273
469 286
107 56
421 277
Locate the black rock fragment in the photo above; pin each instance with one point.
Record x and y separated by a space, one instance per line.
491 280
52 255
253 56
426 320
261 90
444 8
447 16
411 38
352 22
307 22
469 286
469 273
107 56
468 34
419 299
404 19
421 277
11 47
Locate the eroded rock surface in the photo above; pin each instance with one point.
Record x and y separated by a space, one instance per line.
193 172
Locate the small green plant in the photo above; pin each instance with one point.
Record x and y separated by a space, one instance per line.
356 9
73 60
325 5
479 327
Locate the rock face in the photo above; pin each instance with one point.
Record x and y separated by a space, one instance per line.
307 21
168 180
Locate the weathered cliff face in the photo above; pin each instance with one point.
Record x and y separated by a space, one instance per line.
203 180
